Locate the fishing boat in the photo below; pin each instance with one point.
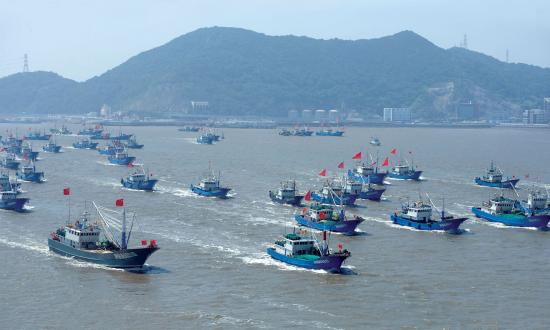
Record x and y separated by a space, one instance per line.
367 173
25 152
329 132
493 178
61 131
302 132
510 213
418 215
403 171
102 136
205 139
121 137
287 194
37 136
51 147
10 201
121 158
375 141
28 173
285 132
133 144
363 190
536 203
7 185
97 130
189 129
104 242
85 144
328 217
333 193
209 186
9 162
139 180
111 148
306 252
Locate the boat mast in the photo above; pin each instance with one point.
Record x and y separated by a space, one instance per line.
123 242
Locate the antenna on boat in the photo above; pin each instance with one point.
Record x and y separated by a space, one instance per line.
514 188
435 207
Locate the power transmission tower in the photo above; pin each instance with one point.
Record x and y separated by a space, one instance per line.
25 63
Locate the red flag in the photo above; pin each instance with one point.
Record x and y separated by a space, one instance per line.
322 215
386 162
119 202
66 191
357 156
130 165
393 151
308 196
323 172
340 246
24 156
341 165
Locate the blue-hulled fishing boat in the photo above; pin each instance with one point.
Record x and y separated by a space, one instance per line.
85 144
375 141
286 194
329 132
189 129
493 178
121 158
139 180
328 217
51 147
403 171
37 136
209 186
205 139
9 162
333 193
10 201
367 173
7 185
363 190
28 173
61 131
418 215
96 131
25 152
306 252
111 148
510 213
133 144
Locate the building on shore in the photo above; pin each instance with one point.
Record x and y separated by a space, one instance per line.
402 115
535 116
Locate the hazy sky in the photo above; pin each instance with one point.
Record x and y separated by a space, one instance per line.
81 39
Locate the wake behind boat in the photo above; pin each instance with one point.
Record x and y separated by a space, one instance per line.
104 242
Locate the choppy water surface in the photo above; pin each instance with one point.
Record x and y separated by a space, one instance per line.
212 270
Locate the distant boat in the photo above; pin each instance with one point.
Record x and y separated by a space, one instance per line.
302 132
132 143
121 137
96 131
329 132
306 252
286 194
28 173
363 190
418 215
285 132
510 212
375 141
121 158
189 129
327 217
26 153
85 144
209 186
493 178
10 201
111 148
9 162
333 193
61 131
51 147
37 136
139 180
104 242
367 173
205 139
